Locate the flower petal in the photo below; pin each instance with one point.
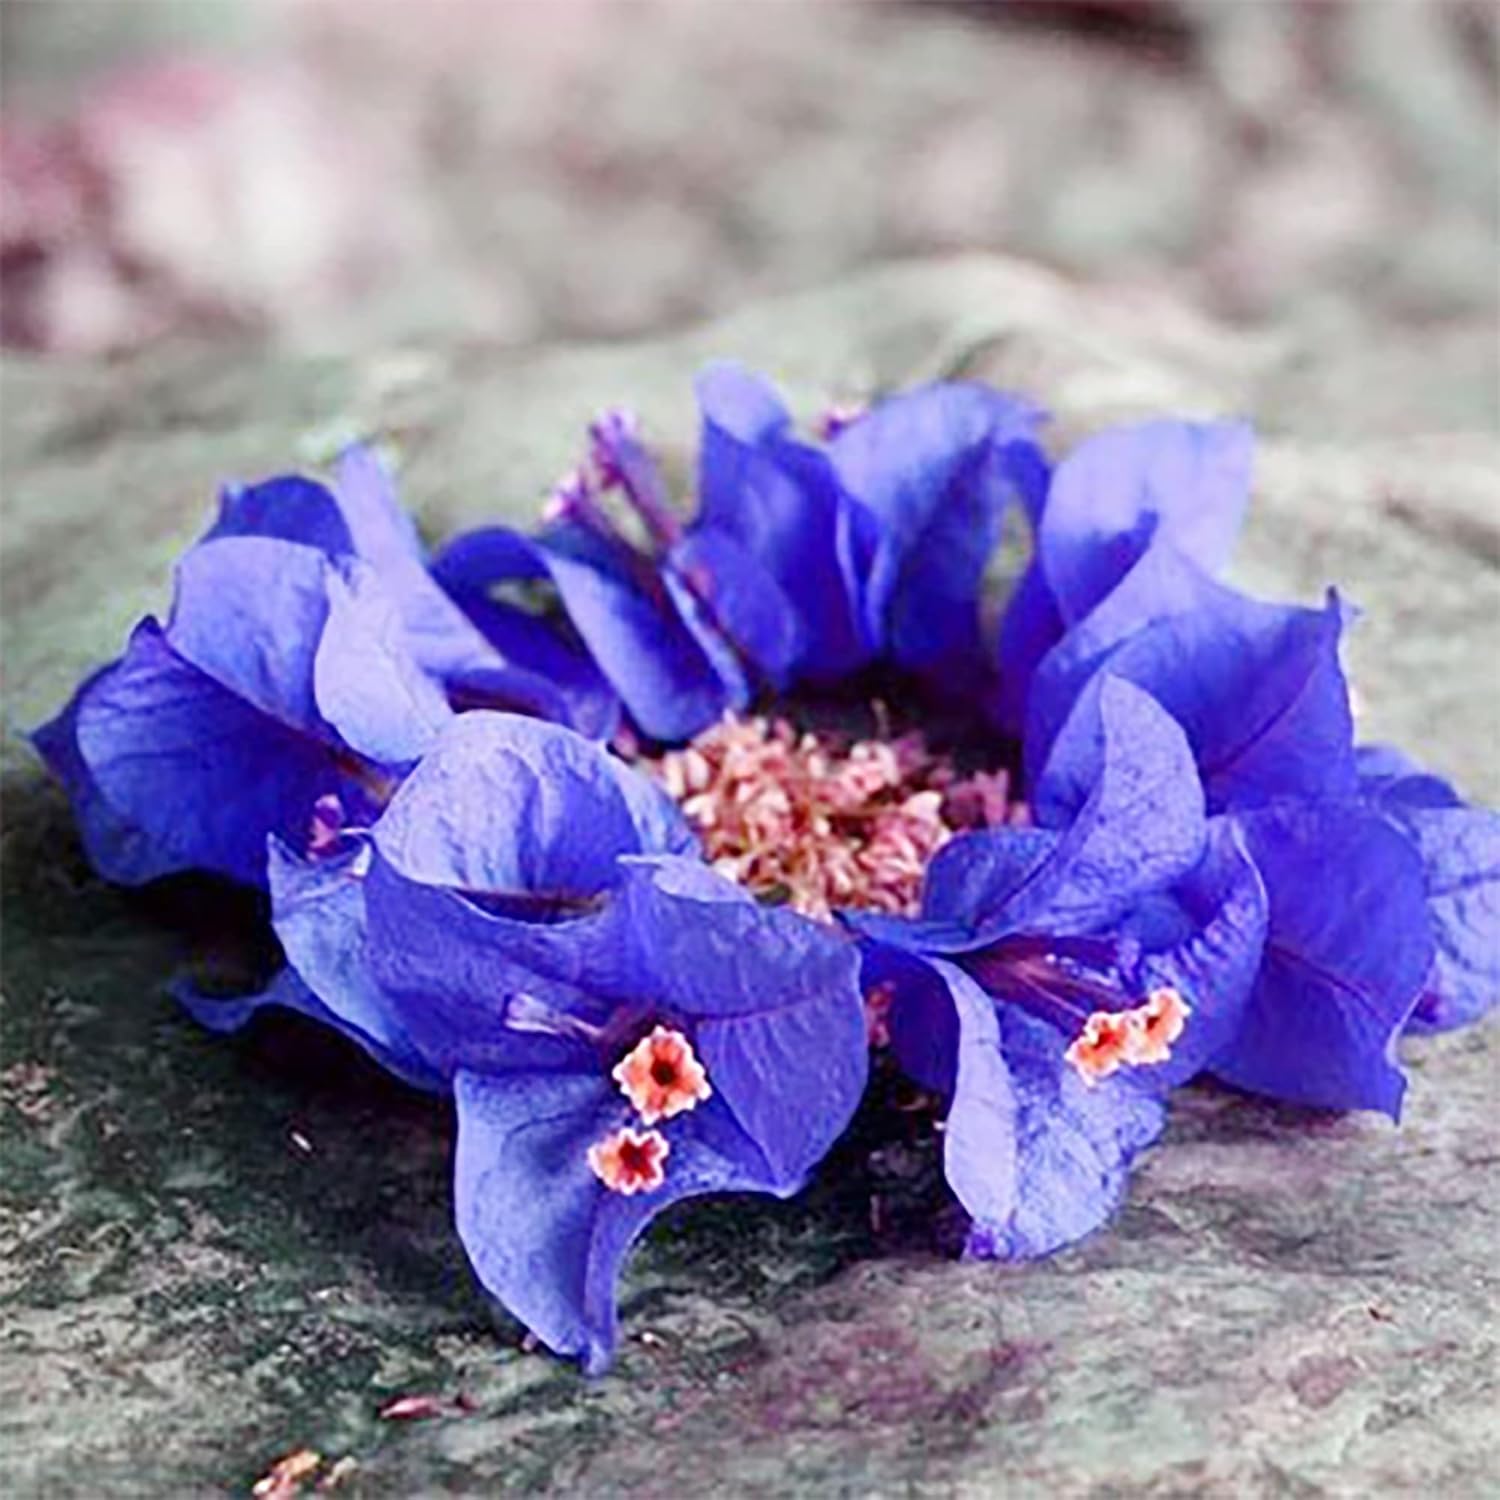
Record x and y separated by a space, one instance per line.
503 803
1119 492
747 603
1459 848
201 774
1074 1145
1213 964
249 612
1139 828
775 998
936 467
544 1235
1164 583
635 635
319 913
980 1149
1348 947
288 507
367 685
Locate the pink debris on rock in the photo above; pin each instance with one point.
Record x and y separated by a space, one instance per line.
826 822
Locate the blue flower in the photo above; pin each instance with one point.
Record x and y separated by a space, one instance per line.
1260 694
307 654
803 564
621 1027
1114 502
1058 983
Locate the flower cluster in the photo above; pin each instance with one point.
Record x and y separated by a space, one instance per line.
523 844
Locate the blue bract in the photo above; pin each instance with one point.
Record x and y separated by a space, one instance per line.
805 563
621 1027
307 655
1057 983
1172 860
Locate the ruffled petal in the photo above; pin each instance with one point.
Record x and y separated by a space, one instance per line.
319 913
504 804
1259 691
1140 827
1348 947
774 997
544 1234
1074 1145
1119 492
196 774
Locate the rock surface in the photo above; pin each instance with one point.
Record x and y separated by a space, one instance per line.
214 1253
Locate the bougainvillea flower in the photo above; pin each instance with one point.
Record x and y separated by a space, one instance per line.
530 924
1058 983
1260 694
649 638
1459 847
881 537
506 659
802 564
1257 688
307 653
1112 501
280 677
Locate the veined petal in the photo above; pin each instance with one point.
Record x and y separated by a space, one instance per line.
201 774
544 1234
367 685
1162 584
1259 691
503 804
1348 947
1224 912
936 467
1074 1145
249 612
774 997
1459 850
637 637
288 507
1139 828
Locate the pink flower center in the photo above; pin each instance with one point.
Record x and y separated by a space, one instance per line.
823 822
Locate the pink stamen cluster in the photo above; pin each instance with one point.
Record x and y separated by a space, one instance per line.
827 823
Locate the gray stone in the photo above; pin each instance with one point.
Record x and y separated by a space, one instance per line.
213 1253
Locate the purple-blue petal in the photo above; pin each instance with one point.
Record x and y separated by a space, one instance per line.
366 684
1348 946
1074 1145
1259 690
200 773
1164 583
744 599
1139 827
1121 491
319 913
288 507
774 999
1213 963
980 1147
544 1235
630 626
503 803
1459 849
936 468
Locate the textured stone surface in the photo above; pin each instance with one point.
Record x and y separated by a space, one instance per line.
215 1252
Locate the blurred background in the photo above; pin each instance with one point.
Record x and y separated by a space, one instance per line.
328 173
